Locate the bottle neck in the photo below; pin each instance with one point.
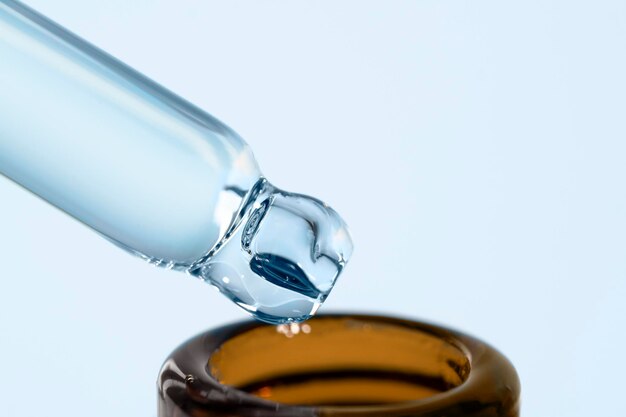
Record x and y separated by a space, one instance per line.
338 365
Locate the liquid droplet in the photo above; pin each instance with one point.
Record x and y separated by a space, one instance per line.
283 257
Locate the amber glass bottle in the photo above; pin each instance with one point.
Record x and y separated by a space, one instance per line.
337 365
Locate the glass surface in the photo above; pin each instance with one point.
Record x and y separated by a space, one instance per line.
337 365
156 175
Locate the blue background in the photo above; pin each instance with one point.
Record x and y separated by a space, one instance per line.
476 148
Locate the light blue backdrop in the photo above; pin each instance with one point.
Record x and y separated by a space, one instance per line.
476 148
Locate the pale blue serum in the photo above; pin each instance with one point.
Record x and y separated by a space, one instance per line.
156 175
281 258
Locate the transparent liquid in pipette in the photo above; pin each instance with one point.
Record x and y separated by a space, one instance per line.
156 175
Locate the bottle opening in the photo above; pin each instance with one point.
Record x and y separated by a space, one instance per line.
341 365
339 362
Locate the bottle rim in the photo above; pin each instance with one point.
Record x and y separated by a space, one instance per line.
187 384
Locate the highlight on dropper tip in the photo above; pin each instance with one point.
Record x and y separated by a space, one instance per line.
283 258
